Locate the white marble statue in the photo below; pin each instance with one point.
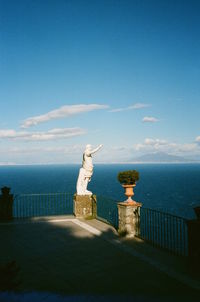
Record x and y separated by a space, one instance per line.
86 171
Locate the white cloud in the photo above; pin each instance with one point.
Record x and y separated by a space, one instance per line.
150 119
71 149
139 106
132 107
49 152
161 145
41 154
10 133
59 133
197 139
118 109
153 142
61 112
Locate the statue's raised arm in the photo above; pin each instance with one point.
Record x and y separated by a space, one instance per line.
95 150
86 170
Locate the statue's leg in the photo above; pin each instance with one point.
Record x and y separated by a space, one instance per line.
86 182
80 186
87 179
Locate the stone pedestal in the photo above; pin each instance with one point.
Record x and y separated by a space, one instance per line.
85 206
194 245
129 218
6 204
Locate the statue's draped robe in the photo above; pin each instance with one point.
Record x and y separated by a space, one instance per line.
87 164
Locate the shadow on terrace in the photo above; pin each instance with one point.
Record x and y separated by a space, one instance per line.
62 256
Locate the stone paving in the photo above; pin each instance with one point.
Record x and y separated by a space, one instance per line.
85 258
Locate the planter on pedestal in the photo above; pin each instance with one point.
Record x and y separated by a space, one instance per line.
129 210
128 180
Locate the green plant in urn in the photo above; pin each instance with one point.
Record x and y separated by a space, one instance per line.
128 181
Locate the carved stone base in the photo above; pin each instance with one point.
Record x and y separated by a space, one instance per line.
128 218
85 206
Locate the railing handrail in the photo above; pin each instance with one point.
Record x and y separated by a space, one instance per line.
165 230
43 194
107 211
43 204
145 208
164 213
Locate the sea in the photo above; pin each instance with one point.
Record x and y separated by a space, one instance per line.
172 188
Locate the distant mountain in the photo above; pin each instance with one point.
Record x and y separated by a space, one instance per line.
161 157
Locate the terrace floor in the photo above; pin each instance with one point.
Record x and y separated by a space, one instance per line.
71 257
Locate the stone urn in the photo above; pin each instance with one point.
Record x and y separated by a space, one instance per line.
128 191
128 181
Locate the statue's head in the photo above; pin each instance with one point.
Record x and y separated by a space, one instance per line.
88 147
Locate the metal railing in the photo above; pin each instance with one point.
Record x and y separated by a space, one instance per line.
163 230
107 210
31 205
160 229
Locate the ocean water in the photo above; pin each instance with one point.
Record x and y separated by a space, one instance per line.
173 188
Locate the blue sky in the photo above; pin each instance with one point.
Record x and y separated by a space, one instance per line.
122 73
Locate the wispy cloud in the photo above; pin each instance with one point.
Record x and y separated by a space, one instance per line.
53 134
132 107
139 106
118 109
150 119
70 149
151 144
62 112
155 144
197 139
